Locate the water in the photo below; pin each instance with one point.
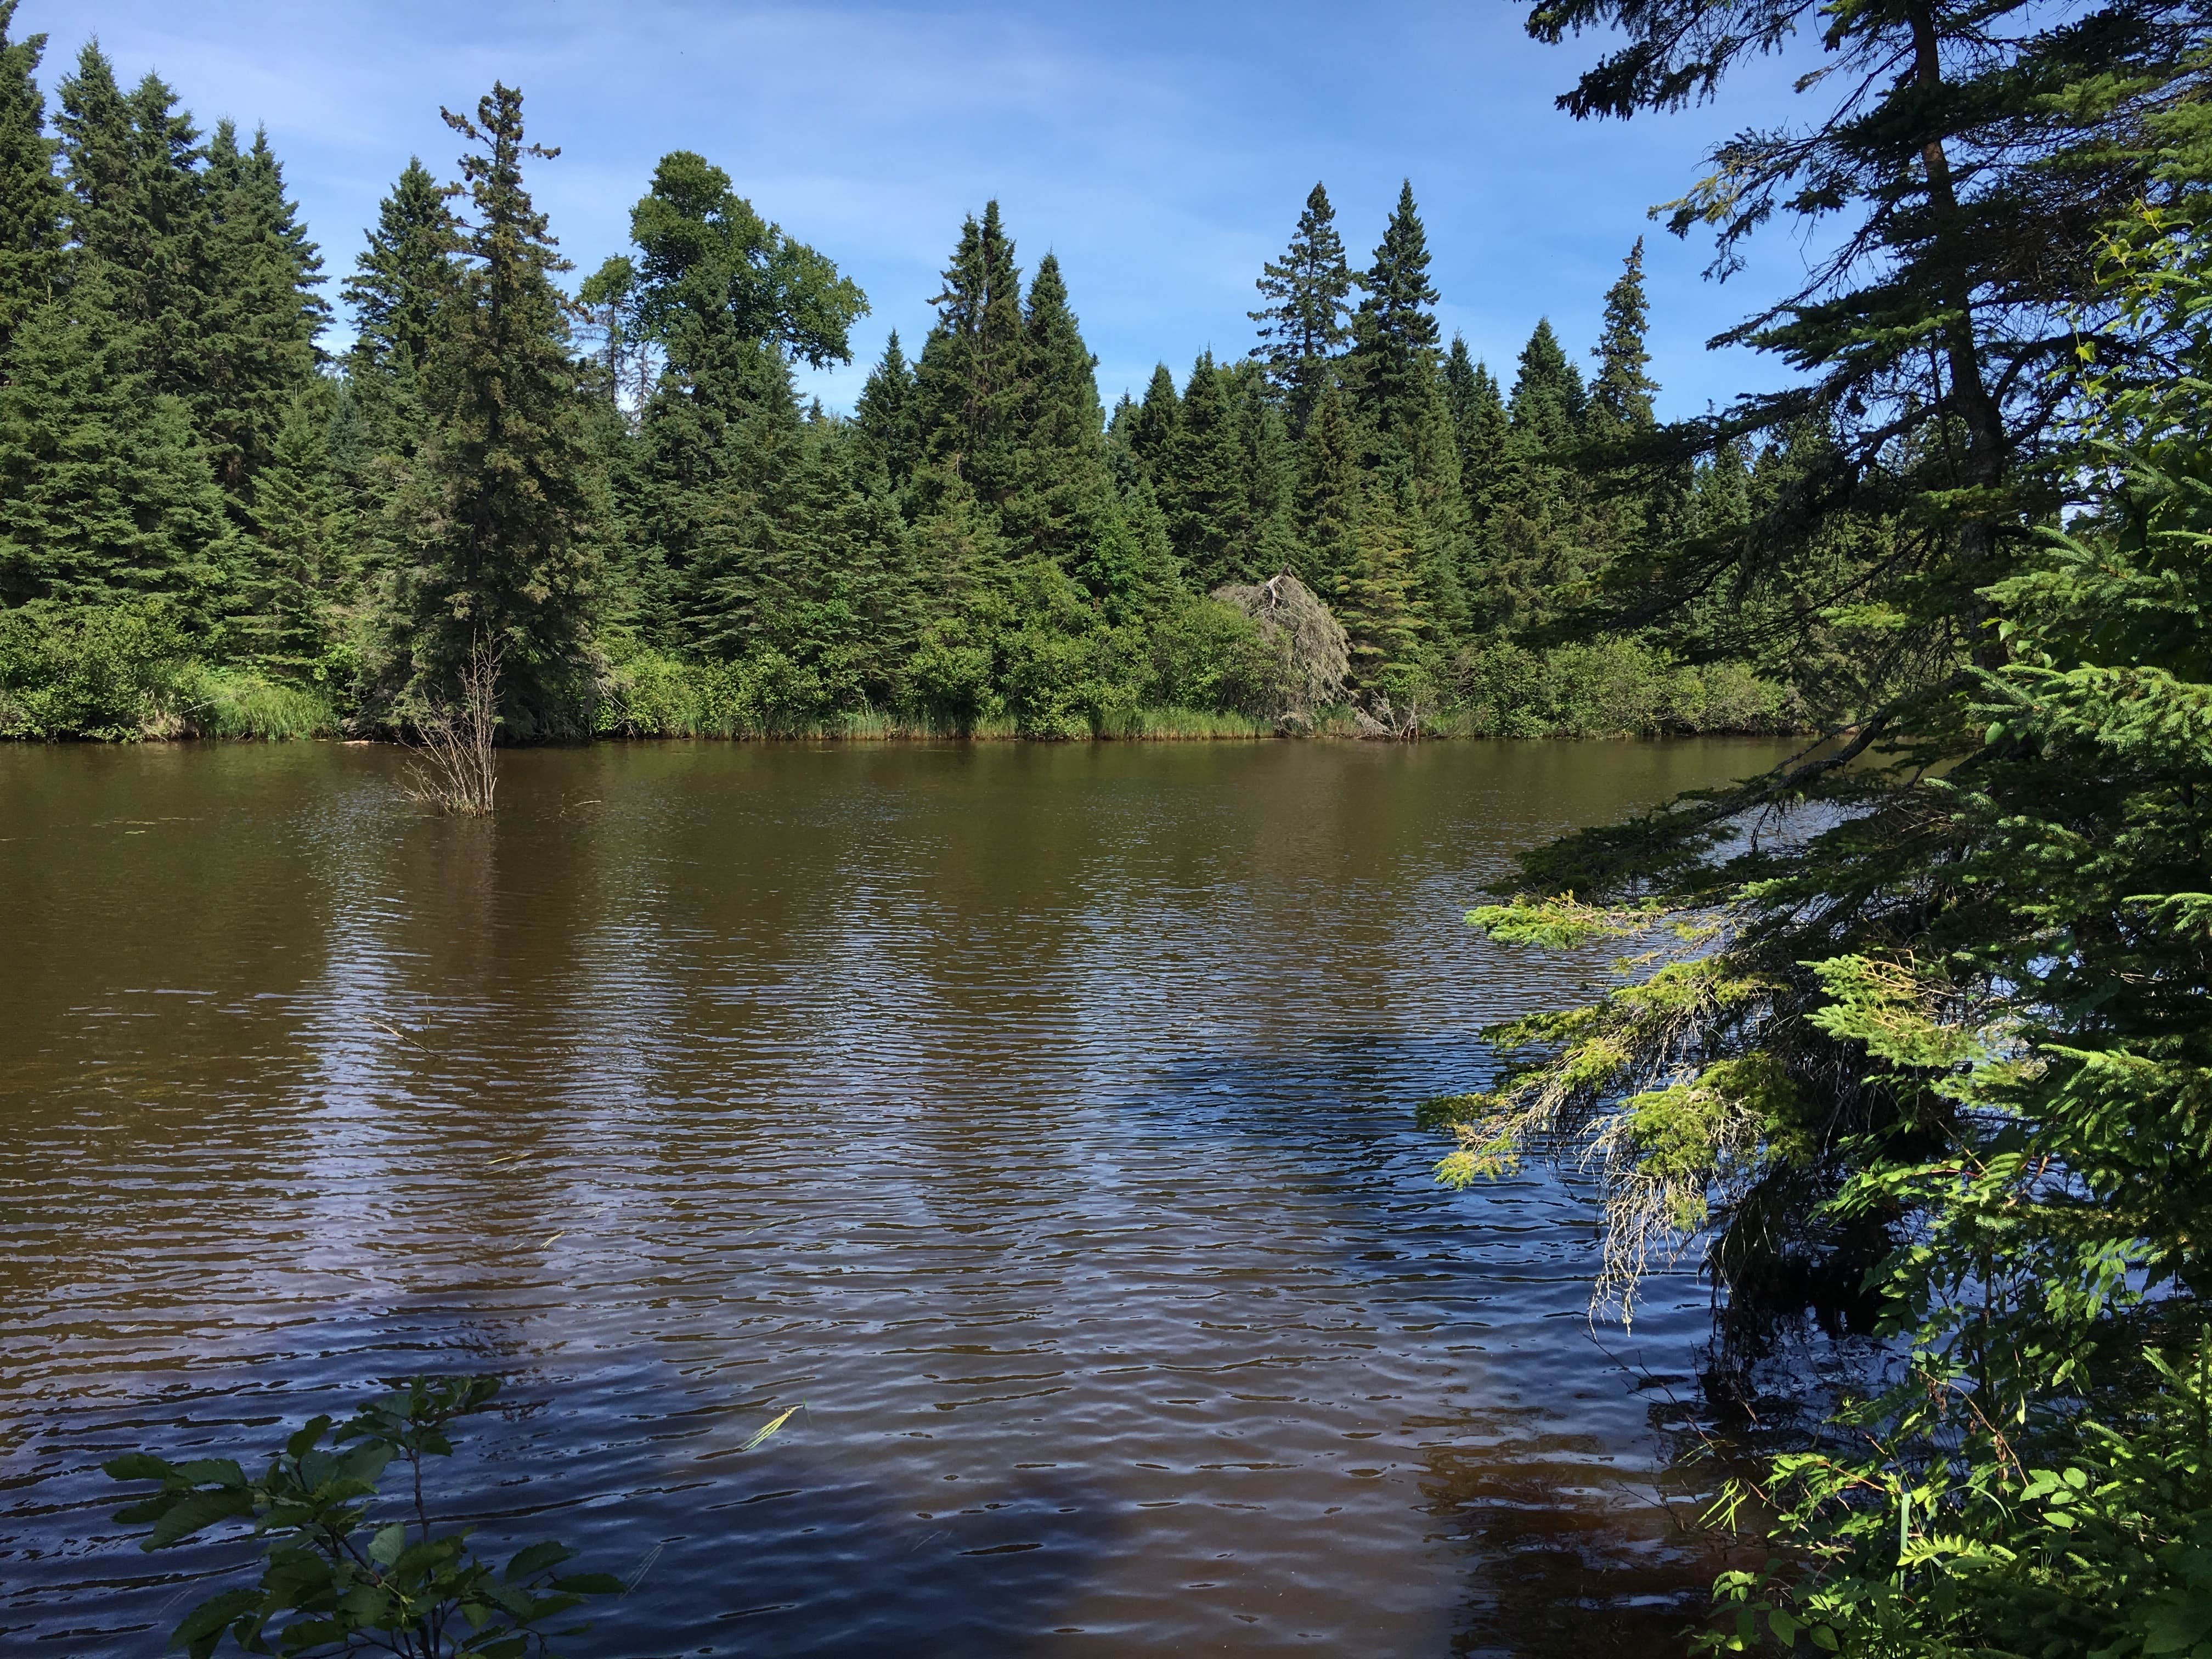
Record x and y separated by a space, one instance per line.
1039 1117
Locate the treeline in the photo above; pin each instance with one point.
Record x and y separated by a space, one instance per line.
207 525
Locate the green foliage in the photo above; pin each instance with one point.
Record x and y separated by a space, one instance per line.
344 1572
31 262
1961 1071
80 672
504 508
1608 688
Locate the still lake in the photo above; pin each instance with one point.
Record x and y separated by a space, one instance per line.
1040 1117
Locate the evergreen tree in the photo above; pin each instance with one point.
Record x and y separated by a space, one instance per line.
1304 325
1153 428
1394 359
507 504
258 315
104 493
725 295
30 196
1331 495
1539 541
1479 426
403 279
299 519
886 417
1620 396
969 380
1204 490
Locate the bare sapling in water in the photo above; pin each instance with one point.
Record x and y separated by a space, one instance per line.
456 765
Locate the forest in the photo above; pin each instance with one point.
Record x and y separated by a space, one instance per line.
210 524
1907 1048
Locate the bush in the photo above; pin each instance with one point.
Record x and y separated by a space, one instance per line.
108 672
1614 687
1205 654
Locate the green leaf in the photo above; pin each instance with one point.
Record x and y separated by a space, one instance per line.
137 1466
534 1558
211 1616
195 1511
384 1549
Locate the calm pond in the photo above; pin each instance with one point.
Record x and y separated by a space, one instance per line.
1040 1117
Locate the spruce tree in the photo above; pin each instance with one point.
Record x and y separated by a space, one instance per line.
1153 426
1620 396
1204 490
105 496
405 275
1478 415
1331 495
258 315
299 525
508 505
1394 358
970 378
885 416
1304 325
1064 509
31 258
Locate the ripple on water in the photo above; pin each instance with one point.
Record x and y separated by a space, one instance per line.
1037 1119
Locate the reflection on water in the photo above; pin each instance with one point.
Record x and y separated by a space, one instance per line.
1039 1117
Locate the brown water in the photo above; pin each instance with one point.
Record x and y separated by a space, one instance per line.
1040 1117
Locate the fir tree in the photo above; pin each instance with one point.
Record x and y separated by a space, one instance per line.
30 196
507 501
1304 325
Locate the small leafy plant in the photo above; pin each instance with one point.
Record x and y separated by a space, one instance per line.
343 1574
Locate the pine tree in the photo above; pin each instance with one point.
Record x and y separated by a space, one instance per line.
31 259
507 502
104 493
1304 326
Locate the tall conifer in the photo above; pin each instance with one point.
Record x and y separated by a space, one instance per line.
30 194
1304 325
508 503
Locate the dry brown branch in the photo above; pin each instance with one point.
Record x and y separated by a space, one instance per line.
456 765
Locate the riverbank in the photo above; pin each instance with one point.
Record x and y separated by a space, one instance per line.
110 686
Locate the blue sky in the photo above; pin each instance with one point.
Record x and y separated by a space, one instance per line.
1163 151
